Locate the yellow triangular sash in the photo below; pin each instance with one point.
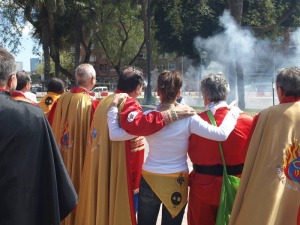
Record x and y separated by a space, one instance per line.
171 189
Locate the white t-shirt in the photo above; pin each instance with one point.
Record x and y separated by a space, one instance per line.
168 147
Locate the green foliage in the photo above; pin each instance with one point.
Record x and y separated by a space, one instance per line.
66 59
178 22
12 24
120 32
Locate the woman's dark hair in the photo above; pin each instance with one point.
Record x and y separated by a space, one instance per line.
169 83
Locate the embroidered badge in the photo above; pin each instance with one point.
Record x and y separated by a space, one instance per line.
131 116
289 172
176 198
65 138
180 180
49 100
94 133
291 164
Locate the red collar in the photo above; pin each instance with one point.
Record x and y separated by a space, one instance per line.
80 90
289 99
17 94
4 91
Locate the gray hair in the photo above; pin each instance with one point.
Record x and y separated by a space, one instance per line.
215 87
7 66
84 73
288 79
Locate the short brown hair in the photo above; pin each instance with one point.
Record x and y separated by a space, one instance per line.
169 83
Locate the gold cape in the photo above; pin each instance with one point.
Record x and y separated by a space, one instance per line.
171 189
105 198
269 192
70 126
47 101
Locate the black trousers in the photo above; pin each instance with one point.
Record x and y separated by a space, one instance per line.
149 205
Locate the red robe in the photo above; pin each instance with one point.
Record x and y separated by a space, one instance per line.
112 169
204 195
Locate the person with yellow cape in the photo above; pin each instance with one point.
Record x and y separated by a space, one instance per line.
55 88
165 172
269 191
112 169
72 119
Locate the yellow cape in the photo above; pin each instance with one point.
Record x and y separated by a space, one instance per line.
70 126
47 101
105 197
267 194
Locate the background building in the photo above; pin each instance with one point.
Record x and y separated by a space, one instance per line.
33 64
19 66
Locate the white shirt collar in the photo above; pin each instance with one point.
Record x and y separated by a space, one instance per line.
213 106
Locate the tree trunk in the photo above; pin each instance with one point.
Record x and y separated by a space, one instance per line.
236 11
77 39
45 45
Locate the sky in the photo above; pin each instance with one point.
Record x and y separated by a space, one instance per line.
26 52
26 49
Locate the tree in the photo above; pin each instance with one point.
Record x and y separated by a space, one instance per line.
120 36
11 26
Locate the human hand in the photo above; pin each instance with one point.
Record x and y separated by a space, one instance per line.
184 111
118 98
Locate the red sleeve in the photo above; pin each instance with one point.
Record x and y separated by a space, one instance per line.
135 122
246 146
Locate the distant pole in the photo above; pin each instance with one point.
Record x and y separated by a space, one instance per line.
149 87
203 56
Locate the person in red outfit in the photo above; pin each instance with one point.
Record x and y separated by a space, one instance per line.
206 178
112 169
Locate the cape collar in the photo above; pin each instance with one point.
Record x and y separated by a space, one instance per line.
289 99
4 91
80 90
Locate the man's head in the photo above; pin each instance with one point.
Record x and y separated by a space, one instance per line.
85 75
131 81
24 81
288 82
214 88
56 85
8 79
169 83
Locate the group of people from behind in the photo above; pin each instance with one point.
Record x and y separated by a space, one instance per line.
102 147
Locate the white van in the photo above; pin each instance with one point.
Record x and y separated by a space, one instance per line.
100 92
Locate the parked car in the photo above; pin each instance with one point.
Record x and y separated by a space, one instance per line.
100 91
35 89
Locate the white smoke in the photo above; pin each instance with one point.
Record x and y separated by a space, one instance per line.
261 58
